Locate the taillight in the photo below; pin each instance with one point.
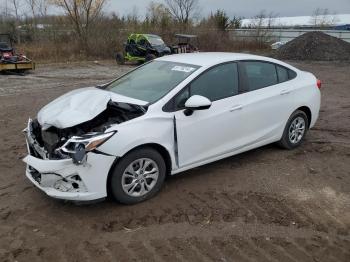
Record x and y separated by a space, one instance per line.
319 83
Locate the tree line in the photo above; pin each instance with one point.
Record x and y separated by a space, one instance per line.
89 30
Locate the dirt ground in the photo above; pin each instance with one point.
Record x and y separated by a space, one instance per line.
264 205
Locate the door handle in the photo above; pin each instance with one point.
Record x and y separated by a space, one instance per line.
285 92
236 107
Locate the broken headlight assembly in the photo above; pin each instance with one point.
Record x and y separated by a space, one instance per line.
78 146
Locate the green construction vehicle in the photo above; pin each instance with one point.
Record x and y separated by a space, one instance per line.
142 48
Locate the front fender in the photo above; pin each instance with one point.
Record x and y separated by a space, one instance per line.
158 131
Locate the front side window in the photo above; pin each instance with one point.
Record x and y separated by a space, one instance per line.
260 74
216 83
152 81
181 98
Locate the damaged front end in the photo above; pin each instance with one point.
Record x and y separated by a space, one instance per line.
50 142
55 144
65 163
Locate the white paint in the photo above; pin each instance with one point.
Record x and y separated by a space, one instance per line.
79 106
197 101
230 126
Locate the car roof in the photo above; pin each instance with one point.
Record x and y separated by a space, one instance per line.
212 58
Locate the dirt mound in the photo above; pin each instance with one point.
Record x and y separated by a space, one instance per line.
315 46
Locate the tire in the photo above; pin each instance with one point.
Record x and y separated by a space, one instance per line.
150 57
119 57
121 179
288 141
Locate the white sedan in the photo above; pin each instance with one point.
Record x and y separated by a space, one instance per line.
167 116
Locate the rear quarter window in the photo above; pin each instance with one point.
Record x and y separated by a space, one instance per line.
291 74
282 73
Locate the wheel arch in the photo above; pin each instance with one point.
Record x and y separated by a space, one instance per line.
159 148
308 113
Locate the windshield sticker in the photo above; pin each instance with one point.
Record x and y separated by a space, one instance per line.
183 69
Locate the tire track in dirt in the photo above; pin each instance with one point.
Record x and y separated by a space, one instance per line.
237 248
212 226
248 207
194 248
280 255
186 249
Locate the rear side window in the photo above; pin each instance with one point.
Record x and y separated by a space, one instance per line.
217 83
260 74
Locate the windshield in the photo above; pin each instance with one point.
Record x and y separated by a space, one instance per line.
152 81
155 40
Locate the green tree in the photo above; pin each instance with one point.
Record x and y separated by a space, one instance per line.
221 20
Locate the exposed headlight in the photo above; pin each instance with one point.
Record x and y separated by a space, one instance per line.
77 146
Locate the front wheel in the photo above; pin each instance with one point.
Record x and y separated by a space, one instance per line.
295 130
138 176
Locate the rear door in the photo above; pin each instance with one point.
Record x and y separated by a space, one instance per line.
266 101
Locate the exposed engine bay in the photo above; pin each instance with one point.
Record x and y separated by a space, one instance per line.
52 139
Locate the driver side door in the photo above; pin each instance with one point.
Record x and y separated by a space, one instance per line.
207 134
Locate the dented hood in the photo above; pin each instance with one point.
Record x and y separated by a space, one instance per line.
79 106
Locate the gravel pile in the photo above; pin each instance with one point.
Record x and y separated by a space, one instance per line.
315 46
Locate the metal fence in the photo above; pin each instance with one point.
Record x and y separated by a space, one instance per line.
285 35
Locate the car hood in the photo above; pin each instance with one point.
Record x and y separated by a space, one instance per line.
79 106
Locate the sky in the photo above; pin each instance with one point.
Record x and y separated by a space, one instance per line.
245 8
242 8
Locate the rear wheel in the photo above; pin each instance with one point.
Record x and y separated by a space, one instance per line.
119 57
138 176
295 130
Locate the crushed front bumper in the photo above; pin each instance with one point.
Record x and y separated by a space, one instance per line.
64 179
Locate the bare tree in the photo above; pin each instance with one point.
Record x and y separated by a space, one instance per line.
17 5
5 10
42 6
83 14
323 18
182 10
157 13
16 8
32 6
262 24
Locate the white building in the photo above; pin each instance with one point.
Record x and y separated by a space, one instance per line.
298 21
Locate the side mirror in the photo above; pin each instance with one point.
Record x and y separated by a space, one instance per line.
196 102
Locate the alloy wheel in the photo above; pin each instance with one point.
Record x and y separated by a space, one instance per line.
140 177
297 130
